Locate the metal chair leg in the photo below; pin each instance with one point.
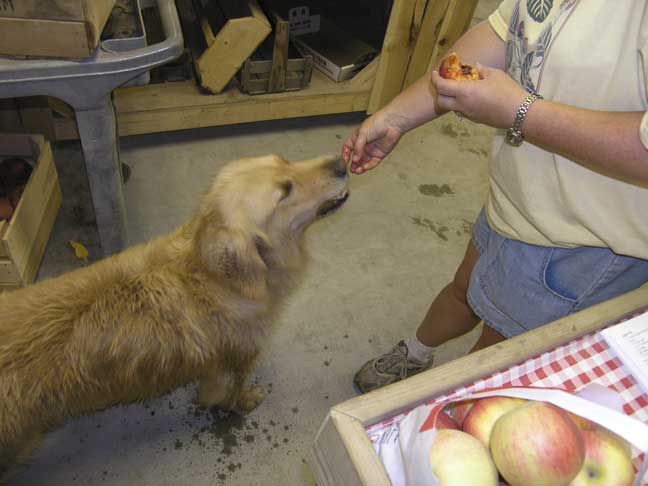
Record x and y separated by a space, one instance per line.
98 132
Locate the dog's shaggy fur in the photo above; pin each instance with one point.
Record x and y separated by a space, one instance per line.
196 304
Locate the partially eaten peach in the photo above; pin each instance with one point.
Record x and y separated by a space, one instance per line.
452 68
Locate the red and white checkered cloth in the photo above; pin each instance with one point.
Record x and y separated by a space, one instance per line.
571 366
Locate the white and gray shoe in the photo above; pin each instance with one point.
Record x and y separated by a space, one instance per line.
393 366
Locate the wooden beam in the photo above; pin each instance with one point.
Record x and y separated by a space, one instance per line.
426 40
455 23
394 55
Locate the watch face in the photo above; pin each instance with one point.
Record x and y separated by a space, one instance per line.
514 138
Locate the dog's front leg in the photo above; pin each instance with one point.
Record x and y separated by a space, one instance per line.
223 387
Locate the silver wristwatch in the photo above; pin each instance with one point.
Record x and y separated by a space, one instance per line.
514 135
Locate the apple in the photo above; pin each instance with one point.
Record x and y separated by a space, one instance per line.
485 412
461 409
608 460
458 459
537 444
582 423
445 421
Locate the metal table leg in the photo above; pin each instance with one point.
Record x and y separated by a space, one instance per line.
98 132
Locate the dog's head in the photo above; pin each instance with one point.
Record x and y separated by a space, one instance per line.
255 205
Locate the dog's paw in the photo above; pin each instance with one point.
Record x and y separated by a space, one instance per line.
250 398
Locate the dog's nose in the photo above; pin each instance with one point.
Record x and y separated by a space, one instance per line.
339 167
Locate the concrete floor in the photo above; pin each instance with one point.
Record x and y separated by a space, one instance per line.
376 265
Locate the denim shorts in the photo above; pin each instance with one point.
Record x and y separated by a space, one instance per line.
515 287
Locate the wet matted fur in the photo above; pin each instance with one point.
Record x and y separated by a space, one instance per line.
196 304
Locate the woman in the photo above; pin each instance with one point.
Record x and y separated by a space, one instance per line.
565 225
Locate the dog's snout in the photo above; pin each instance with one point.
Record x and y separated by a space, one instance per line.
339 167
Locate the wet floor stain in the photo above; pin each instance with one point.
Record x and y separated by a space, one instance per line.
437 228
435 190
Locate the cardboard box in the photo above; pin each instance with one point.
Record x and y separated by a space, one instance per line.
24 237
56 28
336 53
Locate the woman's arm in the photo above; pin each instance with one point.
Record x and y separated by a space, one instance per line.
417 104
381 132
604 141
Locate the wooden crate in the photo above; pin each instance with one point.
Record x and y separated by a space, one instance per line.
23 239
343 454
54 28
271 69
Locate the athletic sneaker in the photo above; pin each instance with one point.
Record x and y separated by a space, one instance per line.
388 368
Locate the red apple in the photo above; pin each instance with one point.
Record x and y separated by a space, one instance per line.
458 459
461 409
608 460
537 444
485 412
445 421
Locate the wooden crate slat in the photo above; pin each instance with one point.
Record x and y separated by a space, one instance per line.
340 445
277 80
9 274
25 223
56 28
4 252
69 37
38 9
54 198
228 49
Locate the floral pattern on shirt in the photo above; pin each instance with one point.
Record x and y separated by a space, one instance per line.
524 60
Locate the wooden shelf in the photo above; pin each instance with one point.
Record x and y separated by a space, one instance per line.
178 106
404 57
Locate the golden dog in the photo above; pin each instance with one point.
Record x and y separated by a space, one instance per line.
195 304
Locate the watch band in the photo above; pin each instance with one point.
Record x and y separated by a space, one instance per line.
514 135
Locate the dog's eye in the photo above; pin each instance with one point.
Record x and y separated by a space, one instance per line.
286 187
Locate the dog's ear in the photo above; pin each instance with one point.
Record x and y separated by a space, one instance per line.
234 255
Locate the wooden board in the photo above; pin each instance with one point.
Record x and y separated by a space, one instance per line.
38 9
181 105
342 453
57 28
394 55
25 236
456 21
426 40
228 48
